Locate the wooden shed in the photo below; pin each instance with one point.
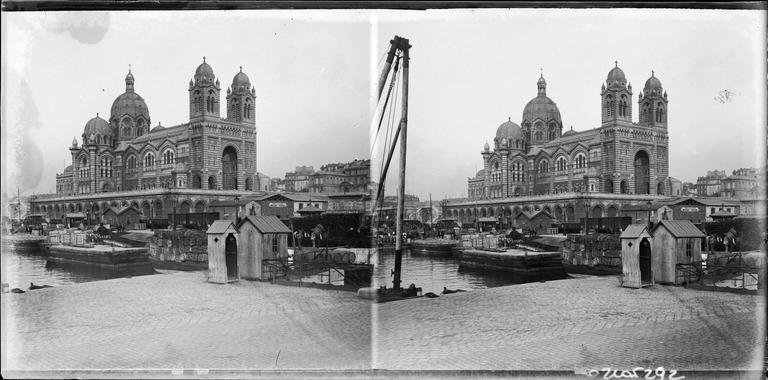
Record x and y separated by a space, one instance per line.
126 216
223 252
636 256
538 221
262 238
674 242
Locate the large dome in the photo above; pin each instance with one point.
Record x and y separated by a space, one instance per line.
509 130
97 126
129 103
541 107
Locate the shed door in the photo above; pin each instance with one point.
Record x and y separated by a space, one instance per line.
230 251
645 261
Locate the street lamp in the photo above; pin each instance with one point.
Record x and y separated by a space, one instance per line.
649 216
172 220
237 208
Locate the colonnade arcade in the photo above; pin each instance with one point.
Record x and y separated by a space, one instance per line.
151 206
563 210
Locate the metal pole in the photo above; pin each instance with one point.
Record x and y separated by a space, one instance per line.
404 46
387 65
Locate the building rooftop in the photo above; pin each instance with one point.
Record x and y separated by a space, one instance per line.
267 224
680 228
634 231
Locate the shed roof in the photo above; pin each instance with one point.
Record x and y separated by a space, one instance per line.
230 202
309 209
681 228
119 210
723 213
269 224
704 201
634 231
487 219
220 227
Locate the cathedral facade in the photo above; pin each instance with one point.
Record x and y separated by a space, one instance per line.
620 156
209 152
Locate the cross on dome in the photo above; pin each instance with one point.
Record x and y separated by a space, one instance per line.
203 59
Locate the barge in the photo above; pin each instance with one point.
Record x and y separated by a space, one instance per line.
22 242
135 260
434 247
546 265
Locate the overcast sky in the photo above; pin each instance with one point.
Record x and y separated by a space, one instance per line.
312 70
472 70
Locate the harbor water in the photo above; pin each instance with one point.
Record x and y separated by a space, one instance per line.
22 267
433 273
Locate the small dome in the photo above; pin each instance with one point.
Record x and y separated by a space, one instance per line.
241 81
616 77
204 72
509 130
97 126
74 141
480 173
486 147
653 85
571 132
158 128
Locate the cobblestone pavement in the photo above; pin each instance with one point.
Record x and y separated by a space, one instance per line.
177 320
587 323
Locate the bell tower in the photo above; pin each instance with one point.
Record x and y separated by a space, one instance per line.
204 93
652 103
616 97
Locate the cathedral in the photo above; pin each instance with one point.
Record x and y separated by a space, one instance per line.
620 156
209 152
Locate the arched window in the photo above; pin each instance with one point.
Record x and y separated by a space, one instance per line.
132 162
168 157
149 160
248 108
543 166
581 161
539 135
561 164
660 113
609 105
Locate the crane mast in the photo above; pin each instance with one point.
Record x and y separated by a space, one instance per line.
399 47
